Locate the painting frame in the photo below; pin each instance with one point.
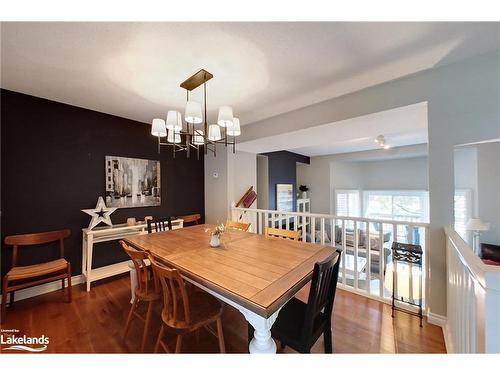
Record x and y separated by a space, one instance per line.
284 197
132 182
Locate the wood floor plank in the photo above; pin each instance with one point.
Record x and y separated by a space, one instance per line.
94 322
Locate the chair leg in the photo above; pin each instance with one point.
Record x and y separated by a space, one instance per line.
146 325
327 336
63 284
282 345
130 314
70 295
158 340
220 336
178 344
12 297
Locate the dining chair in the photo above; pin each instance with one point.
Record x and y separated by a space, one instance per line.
282 233
189 219
237 225
148 290
182 316
159 225
299 324
21 277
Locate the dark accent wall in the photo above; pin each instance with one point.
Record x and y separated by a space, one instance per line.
53 166
282 168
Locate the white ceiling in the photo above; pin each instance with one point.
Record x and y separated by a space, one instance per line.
134 70
402 126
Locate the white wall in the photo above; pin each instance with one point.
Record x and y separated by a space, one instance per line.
236 173
354 171
462 107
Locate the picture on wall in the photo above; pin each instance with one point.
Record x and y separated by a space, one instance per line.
284 197
132 182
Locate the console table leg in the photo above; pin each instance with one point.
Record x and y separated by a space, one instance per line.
133 280
90 247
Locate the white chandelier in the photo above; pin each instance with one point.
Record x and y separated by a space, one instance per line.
196 132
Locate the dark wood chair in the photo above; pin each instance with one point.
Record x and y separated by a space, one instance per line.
299 325
192 219
179 315
27 276
159 225
148 290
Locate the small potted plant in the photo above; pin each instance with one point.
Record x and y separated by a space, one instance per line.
303 189
216 234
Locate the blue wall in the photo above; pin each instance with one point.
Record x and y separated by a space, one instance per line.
282 167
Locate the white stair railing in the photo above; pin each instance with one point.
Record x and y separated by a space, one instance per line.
473 300
365 244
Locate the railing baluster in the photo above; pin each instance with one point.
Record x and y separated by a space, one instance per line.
344 279
332 232
381 259
287 222
355 243
368 247
313 229
304 229
322 231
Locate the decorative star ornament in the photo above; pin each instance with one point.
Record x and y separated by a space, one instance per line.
100 214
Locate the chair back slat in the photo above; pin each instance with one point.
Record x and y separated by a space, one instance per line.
237 225
282 233
175 297
159 225
36 239
138 257
322 292
188 219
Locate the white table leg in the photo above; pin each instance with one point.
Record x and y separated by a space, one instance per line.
262 341
133 280
90 248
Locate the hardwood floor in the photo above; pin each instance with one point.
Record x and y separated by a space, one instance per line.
94 322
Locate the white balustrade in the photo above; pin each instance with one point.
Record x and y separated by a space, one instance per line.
473 300
365 244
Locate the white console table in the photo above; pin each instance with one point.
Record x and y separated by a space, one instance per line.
110 233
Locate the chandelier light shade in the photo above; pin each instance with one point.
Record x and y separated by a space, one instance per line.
225 116
173 121
198 138
193 112
173 137
185 135
158 128
214 133
234 130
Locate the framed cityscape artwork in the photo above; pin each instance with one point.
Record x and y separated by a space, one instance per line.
132 182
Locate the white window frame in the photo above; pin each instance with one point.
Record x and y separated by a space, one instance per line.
400 192
349 191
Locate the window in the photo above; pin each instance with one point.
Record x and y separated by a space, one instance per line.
462 210
347 203
397 205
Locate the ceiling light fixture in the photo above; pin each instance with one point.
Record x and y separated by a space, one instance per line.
380 140
193 136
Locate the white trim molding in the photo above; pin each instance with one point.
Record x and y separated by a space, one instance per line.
436 319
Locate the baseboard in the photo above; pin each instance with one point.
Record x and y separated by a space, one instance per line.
45 288
436 319
448 342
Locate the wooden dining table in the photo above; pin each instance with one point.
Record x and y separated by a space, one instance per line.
255 274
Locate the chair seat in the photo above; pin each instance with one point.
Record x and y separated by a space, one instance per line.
151 295
203 308
286 328
37 270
